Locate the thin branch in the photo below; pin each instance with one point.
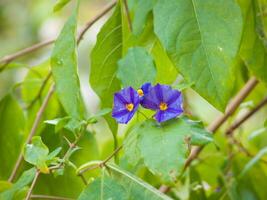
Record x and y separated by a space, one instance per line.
32 185
39 196
128 15
38 96
96 18
231 108
33 130
7 59
240 121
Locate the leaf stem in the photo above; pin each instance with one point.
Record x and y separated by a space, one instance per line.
32 185
128 15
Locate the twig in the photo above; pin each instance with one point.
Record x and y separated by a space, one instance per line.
128 15
33 130
240 121
7 59
39 196
231 108
40 90
92 21
101 164
32 185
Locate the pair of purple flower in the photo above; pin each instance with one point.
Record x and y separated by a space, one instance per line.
166 101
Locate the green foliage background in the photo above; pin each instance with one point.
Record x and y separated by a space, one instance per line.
208 49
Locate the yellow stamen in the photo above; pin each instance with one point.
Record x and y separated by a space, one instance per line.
129 107
140 92
163 106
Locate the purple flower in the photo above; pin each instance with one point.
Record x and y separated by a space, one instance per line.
126 103
166 101
144 90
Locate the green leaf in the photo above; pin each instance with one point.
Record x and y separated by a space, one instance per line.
253 161
64 69
164 147
104 58
119 184
136 68
143 7
25 179
12 134
60 4
252 49
36 153
202 39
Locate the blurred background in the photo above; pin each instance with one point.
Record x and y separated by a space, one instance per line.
26 22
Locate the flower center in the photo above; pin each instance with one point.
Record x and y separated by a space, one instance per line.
163 106
140 92
129 107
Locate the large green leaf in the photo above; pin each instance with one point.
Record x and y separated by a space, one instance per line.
120 184
104 58
64 69
36 153
25 179
136 68
12 134
252 49
164 147
202 39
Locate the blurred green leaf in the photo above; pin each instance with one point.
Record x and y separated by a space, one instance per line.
104 56
12 134
120 184
142 9
164 147
64 69
252 48
93 119
203 52
253 161
60 4
25 179
136 68
36 153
